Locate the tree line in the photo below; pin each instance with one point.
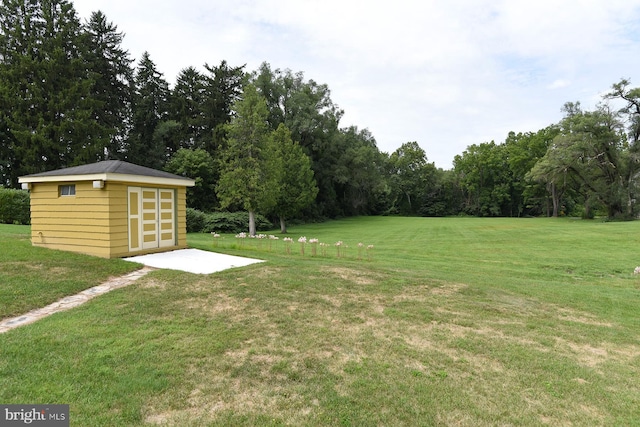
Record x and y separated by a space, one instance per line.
271 141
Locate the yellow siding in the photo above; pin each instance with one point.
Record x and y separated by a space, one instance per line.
77 223
94 221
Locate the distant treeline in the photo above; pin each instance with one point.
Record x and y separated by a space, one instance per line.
71 94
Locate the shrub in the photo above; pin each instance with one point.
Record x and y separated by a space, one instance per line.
222 222
14 206
195 220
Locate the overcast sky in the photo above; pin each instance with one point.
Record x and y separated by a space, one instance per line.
444 73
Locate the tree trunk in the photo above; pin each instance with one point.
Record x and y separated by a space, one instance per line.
283 226
554 198
252 223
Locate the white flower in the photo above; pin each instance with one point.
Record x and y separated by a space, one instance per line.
302 239
636 271
241 235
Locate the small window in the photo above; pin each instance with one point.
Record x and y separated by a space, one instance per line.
68 190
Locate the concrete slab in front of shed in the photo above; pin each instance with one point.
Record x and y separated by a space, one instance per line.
193 261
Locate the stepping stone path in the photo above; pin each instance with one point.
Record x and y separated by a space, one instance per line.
69 302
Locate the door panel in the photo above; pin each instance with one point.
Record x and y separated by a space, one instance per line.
134 219
151 218
167 217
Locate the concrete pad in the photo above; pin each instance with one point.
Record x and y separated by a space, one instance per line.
193 261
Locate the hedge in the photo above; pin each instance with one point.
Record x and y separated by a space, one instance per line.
14 206
222 222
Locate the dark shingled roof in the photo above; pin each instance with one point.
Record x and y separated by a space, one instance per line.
109 166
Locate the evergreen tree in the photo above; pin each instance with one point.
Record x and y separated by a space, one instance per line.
188 99
145 146
45 103
111 74
223 89
296 187
249 175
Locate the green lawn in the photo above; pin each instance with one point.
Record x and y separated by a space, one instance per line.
35 277
453 321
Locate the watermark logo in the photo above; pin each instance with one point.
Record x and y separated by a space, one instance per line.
34 415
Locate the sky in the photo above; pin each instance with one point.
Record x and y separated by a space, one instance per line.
444 73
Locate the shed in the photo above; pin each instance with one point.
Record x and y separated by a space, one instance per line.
109 209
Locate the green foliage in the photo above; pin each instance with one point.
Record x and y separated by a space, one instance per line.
222 222
224 87
195 220
524 151
14 206
250 171
200 166
486 178
411 178
46 112
359 173
69 95
201 103
146 146
444 197
233 222
589 157
187 102
111 75
296 185
306 109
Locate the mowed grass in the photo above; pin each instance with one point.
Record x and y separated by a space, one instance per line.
453 321
32 277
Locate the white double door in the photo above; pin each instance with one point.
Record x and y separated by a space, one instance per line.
151 218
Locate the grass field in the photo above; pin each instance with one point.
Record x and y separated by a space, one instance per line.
453 321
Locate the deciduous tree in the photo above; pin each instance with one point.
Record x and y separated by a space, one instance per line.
409 176
200 166
484 174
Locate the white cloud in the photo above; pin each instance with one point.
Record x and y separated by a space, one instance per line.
559 83
444 74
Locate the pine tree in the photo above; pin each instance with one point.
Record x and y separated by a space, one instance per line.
223 88
111 75
45 105
150 103
187 107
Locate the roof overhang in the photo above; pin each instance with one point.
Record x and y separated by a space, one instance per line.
113 177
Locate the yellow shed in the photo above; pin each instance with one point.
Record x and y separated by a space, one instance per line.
109 209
